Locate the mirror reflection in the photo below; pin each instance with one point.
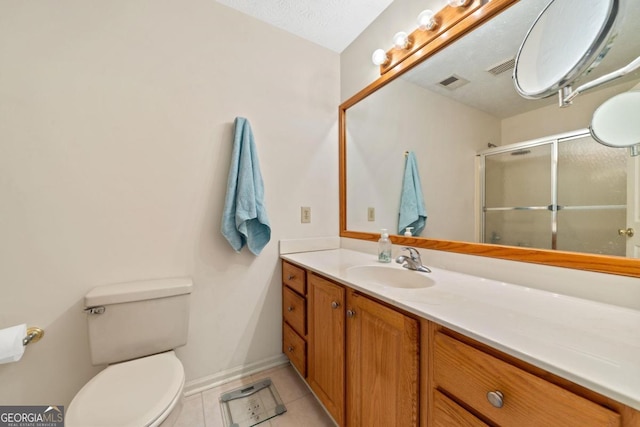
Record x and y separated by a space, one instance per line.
480 148
615 122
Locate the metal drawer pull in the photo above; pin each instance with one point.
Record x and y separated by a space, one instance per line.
351 313
291 276
290 349
495 398
628 232
335 304
290 308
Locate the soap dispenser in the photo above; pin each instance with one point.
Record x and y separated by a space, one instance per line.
407 232
384 247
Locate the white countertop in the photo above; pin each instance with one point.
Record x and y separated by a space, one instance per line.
593 344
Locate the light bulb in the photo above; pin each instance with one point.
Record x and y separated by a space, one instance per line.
426 20
379 57
458 3
401 40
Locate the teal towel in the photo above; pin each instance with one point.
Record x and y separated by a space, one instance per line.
244 219
412 210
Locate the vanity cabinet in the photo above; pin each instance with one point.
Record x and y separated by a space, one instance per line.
364 351
327 354
294 316
471 387
373 365
447 413
382 364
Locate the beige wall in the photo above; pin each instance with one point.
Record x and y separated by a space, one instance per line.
115 137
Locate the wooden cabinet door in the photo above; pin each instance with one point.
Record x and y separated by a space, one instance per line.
326 347
382 360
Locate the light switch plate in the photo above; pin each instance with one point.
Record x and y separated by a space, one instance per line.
305 214
371 214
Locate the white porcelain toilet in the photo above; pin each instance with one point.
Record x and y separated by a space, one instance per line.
134 327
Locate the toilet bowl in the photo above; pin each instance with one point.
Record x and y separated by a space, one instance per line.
141 392
133 327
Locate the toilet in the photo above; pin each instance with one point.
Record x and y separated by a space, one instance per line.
134 328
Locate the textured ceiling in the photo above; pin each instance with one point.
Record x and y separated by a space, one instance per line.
499 40
333 24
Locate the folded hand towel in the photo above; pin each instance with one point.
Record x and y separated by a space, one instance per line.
244 219
412 210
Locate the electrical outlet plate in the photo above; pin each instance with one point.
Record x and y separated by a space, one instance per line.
371 214
305 214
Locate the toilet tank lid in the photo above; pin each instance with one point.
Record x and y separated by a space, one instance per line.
136 291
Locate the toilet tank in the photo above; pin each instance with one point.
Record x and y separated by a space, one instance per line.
136 319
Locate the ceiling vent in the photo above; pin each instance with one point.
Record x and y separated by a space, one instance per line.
502 67
453 82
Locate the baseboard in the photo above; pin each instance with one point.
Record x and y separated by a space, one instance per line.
202 384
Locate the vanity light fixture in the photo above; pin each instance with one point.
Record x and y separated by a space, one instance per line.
402 41
430 23
458 3
380 57
427 20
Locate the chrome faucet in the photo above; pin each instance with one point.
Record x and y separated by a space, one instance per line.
413 261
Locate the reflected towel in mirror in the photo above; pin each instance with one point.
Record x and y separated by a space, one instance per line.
244 219
412 210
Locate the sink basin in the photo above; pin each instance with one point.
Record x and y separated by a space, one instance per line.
389 276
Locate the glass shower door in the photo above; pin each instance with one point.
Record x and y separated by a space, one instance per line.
592 196
519 196
567 193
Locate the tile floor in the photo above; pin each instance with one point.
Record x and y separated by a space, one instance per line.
203 409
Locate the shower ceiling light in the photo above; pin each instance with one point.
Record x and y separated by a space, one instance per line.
426 20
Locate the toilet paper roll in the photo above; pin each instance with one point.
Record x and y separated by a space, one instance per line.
11 348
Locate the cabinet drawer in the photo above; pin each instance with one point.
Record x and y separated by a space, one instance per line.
447 413
294 311
294 277
468 374
295 348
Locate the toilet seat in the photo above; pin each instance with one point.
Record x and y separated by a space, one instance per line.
140 392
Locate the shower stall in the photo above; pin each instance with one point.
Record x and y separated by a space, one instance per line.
564 192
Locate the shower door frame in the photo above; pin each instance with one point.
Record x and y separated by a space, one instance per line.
553 141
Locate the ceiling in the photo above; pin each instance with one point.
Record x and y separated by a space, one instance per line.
333 24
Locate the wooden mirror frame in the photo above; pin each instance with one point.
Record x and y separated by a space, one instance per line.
589 262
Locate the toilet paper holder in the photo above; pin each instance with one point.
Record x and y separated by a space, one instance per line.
33 335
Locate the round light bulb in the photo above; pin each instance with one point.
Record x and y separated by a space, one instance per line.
401 40
426 20
379 57
458 3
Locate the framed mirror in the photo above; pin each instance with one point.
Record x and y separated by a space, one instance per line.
449 102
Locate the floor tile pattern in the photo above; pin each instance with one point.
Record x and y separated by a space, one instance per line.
203 409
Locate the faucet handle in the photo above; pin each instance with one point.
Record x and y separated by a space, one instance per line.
413 252
413 261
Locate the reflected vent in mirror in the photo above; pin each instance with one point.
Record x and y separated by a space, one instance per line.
502 67
453 82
